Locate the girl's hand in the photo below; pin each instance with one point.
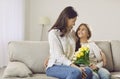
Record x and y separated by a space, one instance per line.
103 58
93 66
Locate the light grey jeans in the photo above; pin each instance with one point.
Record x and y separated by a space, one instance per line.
102 74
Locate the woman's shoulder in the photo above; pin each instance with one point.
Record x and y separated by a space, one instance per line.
54 32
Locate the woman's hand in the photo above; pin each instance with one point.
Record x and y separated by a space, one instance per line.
46 62
84 75
82 69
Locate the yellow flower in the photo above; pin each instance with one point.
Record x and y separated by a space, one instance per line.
74 58
81 54
77 55
86 48
81 49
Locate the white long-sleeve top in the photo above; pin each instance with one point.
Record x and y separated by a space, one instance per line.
61 48
95 54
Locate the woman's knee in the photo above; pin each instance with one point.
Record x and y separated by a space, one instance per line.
75 74
89 73
88 70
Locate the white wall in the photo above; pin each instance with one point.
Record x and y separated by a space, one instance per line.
27 19
103 16
12 25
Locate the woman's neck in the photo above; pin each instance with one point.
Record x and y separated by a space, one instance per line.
68 31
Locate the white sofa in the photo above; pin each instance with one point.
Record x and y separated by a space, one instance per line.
30 53
27 58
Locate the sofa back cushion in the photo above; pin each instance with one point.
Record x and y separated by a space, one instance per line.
106 48
30 53
116 54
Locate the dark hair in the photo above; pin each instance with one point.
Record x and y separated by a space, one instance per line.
61 22
78 45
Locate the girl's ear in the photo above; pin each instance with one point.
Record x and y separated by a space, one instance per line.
88 36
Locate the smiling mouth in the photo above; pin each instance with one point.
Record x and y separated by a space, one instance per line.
79 33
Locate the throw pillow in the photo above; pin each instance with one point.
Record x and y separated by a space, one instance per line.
17 69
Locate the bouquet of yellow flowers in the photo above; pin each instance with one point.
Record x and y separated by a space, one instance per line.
81 57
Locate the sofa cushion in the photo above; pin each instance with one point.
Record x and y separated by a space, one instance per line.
116 54
42 76
106 48
16 69
1 72
31 53
115 75
35 76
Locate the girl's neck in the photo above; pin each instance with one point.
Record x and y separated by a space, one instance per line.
83 40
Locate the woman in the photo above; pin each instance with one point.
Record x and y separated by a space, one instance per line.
96 56
62 47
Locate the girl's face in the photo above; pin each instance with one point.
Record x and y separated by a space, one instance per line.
82 32
71 22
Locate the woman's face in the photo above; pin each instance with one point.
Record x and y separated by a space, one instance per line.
71 22
82 32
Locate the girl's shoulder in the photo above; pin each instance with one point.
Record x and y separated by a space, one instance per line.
92 43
